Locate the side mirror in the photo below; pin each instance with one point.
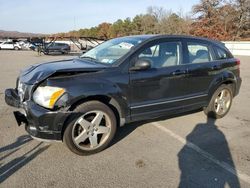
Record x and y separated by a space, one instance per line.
141 64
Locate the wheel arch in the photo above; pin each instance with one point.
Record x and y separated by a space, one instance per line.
227 78
107 100
111 102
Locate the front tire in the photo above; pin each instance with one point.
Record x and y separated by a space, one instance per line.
16 48
90 129
220 102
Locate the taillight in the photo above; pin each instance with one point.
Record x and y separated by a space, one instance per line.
238 64
237 61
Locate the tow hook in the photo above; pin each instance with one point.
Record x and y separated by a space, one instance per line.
20 118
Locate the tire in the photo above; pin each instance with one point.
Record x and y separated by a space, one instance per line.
220 102
83 134
16 48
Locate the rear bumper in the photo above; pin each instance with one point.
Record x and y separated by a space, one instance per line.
39 122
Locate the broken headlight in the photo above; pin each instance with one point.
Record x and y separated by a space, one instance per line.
47 96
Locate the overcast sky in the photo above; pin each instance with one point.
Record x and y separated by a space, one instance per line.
51 16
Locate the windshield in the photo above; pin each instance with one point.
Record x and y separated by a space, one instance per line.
108 52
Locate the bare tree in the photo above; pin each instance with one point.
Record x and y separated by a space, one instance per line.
206 8
243 18
174 24
158 12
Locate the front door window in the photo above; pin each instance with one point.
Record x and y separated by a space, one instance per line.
163 54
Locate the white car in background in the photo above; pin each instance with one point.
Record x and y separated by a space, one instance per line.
9 45
25 45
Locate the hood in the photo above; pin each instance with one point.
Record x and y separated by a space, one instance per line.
38 72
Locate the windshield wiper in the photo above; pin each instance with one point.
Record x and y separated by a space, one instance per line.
88 57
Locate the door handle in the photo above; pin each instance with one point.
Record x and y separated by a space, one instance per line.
179 72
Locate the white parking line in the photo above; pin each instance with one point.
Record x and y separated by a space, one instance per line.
225 166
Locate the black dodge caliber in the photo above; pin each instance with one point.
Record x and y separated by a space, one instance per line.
82 101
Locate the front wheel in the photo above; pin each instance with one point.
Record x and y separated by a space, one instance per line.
16 48
220 102
90 129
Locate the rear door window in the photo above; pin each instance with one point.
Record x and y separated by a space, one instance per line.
198 52
221 53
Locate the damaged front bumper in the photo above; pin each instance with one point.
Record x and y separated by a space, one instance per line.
39 122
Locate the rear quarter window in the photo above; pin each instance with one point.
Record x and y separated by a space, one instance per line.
221 53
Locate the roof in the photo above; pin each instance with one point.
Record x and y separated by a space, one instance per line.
159 36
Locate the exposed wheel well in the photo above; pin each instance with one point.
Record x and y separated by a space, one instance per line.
101 98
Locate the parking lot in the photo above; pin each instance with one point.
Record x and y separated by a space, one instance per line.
184 151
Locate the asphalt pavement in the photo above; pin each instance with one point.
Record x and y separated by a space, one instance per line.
184 151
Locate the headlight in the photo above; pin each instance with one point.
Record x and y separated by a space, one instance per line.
47 96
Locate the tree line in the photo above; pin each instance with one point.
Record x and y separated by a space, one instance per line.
216 19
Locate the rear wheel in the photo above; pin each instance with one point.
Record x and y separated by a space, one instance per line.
220 103
90 129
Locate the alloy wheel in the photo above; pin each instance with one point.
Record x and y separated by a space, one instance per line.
91 130
222 102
